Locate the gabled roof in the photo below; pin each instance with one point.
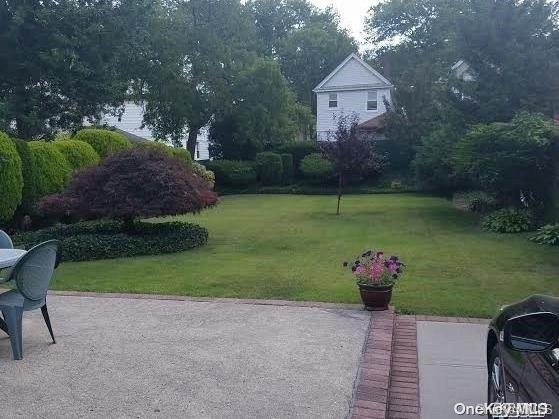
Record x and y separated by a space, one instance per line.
384 81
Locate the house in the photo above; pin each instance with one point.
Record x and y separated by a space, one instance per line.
130 123
463 71
354 87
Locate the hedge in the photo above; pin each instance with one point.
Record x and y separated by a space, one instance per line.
52 168
299 150
287 164
93 240
78 153
29 174
11 178
269 168
232 172
103 141
316 168
179 152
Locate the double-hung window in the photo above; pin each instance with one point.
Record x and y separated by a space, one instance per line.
372 100
333 100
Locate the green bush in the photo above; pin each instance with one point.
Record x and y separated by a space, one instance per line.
548 235
94 240
204 173
103 141
179 152
299 150
509 220
11 178
52 168
29 175
475 201
287 163
232 172
269 168
78 153
316 168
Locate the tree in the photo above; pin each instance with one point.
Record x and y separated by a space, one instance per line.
139 182
63 61
351 153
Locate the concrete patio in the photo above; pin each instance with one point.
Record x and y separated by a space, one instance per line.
138 358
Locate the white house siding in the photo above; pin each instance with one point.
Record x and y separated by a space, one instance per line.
349 102
351 74
131 122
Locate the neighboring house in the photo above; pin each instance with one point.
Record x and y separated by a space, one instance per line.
130 124
354 87
463 71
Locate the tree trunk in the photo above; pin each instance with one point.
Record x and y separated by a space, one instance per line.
192 139
340 192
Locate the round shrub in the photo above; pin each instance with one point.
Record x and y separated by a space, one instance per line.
78 153
509 220
316 168
204 173
269 168
232 172
179 152
548 235
92 240
299 150
287 163
103 141
29 174
52 168
11 178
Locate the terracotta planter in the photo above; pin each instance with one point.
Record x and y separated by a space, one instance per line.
375 298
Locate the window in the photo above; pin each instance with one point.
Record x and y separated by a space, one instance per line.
197 150
333 100
372 102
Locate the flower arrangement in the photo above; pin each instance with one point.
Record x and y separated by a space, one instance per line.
375 269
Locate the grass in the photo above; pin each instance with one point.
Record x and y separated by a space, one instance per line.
292 247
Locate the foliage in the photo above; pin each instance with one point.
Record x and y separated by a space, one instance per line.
63 61
351 154
180 152
269 168
316 168
78 153
52 168
92 240
434 165
103 141
299 150
509 220
11 179
548 235
204 173
29 174
263 115
475 201
288 170
129 184
511 160
233 173
374 269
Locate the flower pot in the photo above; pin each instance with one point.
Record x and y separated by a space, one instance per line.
375 298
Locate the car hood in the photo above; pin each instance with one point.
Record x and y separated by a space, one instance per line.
533 304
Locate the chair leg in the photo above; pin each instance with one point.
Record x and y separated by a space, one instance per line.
13 317
47 321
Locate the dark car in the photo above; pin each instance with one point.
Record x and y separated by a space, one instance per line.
523 354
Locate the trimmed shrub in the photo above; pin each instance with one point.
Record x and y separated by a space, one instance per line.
29 174
233 172
11 178
179 152
52 168
204 173
316 168
475 201
548 235
92 240
269 168
103 141
287 163
299 150
78 153
509 220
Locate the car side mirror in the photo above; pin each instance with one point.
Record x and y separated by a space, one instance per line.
535 332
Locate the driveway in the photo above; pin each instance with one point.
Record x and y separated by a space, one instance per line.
158 358
451 367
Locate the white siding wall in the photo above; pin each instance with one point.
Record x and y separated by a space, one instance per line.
351 74
349 102
131 121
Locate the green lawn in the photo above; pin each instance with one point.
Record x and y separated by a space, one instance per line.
292 247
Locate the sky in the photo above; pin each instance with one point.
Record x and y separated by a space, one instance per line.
352 13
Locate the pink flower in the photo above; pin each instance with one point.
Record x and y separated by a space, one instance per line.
360 270
376 270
